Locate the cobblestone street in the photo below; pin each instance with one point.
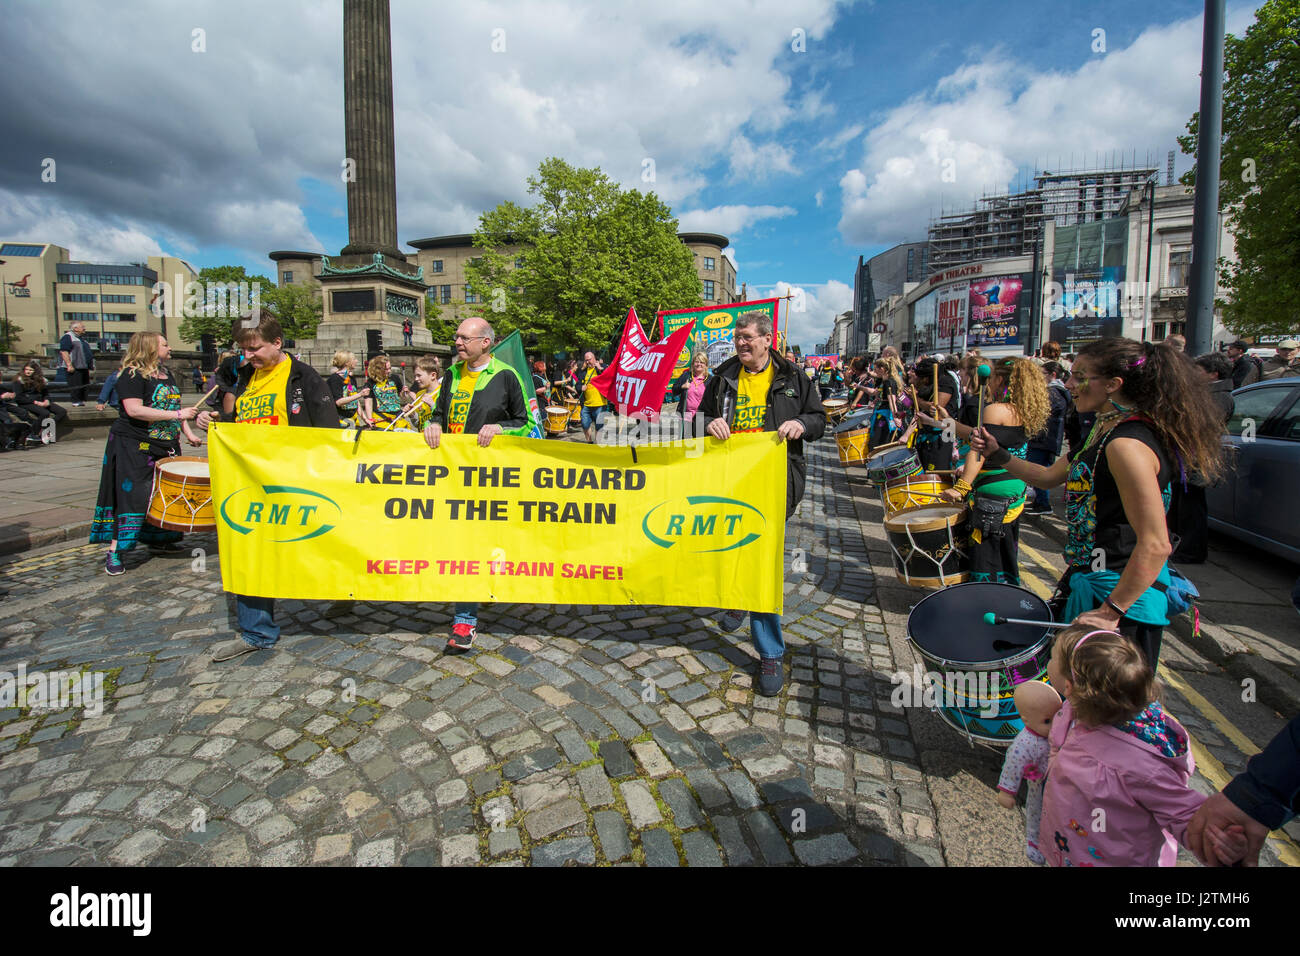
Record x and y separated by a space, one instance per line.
606 735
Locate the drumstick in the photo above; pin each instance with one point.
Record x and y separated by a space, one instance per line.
991 618
408 411
984 372
207 396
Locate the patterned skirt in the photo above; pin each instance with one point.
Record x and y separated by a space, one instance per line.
125 484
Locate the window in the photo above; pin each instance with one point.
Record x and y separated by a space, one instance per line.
470 297
119 299
19 249
1256 405
444 295
709 263
286 277
708 289
81 316
119 317
78 297
1180 265
436 266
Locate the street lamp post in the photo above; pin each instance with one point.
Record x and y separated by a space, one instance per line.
4 291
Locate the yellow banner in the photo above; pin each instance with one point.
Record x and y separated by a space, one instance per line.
316 514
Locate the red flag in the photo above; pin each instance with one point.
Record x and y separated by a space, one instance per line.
635 381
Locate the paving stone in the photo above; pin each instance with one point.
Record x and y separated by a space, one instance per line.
596 789
768 837
612 831
501 842
579 850
685 811
378 853
520 767
549 820
741 788
618 762
641 806
460 850
825 850
733 843
652 759
700 850
659 849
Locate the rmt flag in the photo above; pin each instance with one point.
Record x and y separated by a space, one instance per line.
636 380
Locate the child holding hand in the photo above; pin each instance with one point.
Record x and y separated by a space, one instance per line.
1117 789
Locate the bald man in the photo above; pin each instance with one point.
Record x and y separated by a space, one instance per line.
482 396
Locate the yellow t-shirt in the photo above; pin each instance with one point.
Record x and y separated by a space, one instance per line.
751 399
590 397
263 401
426 400
458 411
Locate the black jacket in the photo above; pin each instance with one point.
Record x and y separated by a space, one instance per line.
793 395
1050 438
498 399
306 396
1269 789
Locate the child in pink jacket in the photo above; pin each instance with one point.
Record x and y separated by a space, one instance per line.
1117 789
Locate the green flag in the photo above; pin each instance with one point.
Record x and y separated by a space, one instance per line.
511 351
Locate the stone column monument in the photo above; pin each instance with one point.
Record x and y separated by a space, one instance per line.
369 285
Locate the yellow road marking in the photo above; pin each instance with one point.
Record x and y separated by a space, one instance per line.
1041 561
1213 771
1035 585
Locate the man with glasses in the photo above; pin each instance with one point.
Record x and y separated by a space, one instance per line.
481 395
593 403
759 391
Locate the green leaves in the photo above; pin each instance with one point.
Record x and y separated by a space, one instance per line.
1260 171
568 268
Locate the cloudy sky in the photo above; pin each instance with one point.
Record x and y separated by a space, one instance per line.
808 131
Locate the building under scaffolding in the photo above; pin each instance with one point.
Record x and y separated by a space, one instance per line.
1010 225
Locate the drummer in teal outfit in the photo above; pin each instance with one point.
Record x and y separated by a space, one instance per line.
1156 424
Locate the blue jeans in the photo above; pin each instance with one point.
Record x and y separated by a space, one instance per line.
255 623
766 632
592 415
466 614
1040 456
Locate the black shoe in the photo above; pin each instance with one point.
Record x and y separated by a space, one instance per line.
113 564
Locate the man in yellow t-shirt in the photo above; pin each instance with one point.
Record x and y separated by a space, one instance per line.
593 403
751 399
458 410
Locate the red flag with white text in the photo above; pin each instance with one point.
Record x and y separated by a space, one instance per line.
637 378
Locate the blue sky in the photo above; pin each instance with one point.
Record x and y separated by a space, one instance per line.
806 159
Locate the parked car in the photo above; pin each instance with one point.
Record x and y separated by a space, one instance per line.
1255 501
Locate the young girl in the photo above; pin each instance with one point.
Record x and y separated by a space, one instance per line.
1117 789
889 385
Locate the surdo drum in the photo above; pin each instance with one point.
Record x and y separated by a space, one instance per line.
181 499
890 462
929 544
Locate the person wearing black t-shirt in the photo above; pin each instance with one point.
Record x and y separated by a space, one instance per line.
148 428
387 391
883 418
933 450
1156 424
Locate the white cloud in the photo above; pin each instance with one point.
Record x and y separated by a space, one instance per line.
835 144
991 117
87 238
820 197
729 220
756 163
809 316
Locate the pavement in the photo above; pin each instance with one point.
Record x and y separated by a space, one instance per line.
570 735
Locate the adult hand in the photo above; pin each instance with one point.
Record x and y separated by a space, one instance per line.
188 414
364 393
487 433
952 494
792 429
432 434
1099 619
1220 812
983 442
925 419
718 429
203 419
99 406
1006 799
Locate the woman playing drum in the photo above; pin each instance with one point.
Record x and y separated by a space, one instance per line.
148 428
884 420
1156 424
1017 407
934 451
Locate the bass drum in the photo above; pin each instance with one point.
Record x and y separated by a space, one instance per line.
930 544
976 666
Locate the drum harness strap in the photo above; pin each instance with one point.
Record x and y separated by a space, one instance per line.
988 512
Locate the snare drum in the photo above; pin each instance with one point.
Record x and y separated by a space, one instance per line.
890 462
980 664
557 419
852 440
836 408
181 499
930 544
912 491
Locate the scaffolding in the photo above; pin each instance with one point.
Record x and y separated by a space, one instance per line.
1010 225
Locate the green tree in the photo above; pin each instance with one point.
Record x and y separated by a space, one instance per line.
298 307
199 315
442 330
1260 172
586 252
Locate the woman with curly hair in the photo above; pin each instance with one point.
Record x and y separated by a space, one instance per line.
1016 407
384 403
1156 424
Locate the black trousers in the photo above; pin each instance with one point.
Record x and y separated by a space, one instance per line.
78 379
1189 523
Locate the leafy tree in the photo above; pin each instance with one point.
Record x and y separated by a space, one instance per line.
442 330
207 320
1260 171
298 308
568 268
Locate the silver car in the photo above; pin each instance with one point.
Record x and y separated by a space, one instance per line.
1255 501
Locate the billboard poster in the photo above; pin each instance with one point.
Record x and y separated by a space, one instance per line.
1089 304
715 326
950 313
924 312
817 361
995 306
